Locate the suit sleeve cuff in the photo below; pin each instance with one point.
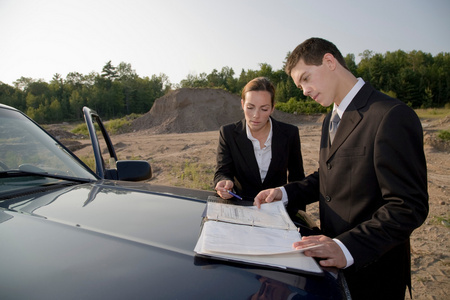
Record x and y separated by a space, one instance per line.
347 254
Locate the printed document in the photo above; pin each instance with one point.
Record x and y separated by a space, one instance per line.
248 234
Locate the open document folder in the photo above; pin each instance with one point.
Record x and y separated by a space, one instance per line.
255 236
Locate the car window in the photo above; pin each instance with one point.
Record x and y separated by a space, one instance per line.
25 147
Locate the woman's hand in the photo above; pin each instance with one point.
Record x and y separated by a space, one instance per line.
222 188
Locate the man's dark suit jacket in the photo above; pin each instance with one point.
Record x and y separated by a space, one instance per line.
236 159
372 191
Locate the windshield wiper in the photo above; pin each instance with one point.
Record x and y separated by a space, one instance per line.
19 173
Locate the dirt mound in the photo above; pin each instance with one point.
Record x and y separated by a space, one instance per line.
191 110
69 139
61 134
196 110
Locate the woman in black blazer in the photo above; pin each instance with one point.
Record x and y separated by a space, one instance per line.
257 152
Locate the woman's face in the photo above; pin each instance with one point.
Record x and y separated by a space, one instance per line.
257 109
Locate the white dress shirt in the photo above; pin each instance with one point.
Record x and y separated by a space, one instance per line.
263 155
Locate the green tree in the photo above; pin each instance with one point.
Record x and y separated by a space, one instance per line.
195 81
76 103
54 112
265 71
109 71
127 76
350 61
37 92
23 82
416 78
12 96
281 93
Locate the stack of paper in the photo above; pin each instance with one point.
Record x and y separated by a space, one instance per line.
255 236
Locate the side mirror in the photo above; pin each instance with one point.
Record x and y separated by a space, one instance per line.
133 170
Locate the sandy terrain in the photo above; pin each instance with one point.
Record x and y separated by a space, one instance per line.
168 150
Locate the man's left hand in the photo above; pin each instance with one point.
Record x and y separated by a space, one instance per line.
329 251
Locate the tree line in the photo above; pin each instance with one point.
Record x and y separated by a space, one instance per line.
419 79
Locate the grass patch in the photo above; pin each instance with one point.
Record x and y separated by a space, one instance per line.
433 113
120 125
132 157
445 221
422 279
194 175
301 107
114 126
444 135
89 160
81 129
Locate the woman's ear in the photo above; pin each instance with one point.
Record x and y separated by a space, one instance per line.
242 104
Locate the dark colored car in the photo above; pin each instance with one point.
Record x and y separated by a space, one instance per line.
70 233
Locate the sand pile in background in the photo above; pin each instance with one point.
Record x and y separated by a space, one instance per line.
196 110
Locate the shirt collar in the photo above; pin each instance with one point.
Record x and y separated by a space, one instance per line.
250 136
348 98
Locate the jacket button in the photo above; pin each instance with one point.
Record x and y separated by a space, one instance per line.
328 198
328 166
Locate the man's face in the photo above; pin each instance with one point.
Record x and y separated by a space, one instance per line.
314 81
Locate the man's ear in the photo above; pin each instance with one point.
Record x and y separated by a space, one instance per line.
330 61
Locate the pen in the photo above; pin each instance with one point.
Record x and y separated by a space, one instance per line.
233 194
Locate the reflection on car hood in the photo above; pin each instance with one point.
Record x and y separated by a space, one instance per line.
123 210
111 240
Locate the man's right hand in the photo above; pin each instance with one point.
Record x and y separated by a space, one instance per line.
268 196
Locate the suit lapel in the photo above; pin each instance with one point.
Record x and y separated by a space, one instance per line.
278 148
245 147
350 118
349 121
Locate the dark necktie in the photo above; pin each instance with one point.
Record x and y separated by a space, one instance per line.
334 122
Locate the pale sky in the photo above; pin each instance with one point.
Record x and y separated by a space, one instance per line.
39 38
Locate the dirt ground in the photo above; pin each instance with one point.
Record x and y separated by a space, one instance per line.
167 144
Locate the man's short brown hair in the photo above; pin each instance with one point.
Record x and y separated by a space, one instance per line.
312 51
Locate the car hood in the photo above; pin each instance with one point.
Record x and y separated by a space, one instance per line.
127 211
123 240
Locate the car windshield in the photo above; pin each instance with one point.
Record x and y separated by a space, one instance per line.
29 157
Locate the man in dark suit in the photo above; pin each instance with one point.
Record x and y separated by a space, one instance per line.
257 152
372 179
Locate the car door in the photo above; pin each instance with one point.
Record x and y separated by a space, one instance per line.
110 167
